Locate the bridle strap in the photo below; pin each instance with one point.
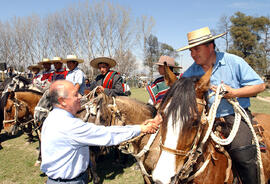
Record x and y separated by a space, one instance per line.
173 151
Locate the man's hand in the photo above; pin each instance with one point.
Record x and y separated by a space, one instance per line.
230 92
100 89
150 126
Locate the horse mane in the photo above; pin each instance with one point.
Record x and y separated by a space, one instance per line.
4 83
23 79
29 90
182 101
4 100
6 94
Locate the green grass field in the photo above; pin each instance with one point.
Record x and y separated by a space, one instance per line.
17 158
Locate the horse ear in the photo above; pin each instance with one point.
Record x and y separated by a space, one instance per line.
204 83
169 76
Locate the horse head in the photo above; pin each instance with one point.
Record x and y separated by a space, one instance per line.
182 107
15 112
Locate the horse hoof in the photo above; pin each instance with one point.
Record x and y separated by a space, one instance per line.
37 163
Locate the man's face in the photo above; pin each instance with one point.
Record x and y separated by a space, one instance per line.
71 65
161 69
201 54
35 70
72 102
46 66
103 68
57 65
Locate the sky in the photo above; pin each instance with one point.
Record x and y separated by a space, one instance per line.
173 18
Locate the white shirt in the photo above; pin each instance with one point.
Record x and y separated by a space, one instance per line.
76 76
65 140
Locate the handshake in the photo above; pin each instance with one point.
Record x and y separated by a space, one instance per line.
150 126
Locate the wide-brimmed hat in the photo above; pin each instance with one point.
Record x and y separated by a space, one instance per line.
56 60
72 58
199 37
169 60
111 62
31 67
45 60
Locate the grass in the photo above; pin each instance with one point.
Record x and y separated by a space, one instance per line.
17 158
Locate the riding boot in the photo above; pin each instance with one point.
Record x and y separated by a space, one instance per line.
244 160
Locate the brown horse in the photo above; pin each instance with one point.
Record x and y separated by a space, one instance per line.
123 110
19 109
184 156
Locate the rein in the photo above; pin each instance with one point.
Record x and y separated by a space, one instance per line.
239 112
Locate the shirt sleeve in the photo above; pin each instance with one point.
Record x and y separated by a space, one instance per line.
96 135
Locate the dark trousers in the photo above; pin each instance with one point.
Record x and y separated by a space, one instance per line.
242 150
81 179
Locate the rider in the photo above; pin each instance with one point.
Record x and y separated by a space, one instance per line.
110 82
75 75
241 82
59 73
158 88
47 72
35 69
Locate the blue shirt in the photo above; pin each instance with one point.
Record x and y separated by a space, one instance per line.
234 72
65 140
76 76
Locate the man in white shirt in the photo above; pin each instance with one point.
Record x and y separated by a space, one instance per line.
65 138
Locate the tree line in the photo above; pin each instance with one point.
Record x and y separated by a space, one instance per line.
88 30
247 37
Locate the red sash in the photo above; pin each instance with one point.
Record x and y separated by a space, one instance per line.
46 76
108 80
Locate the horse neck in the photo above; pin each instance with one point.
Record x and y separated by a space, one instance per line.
134 112
31 99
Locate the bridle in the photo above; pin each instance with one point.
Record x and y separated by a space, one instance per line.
194 153
16 121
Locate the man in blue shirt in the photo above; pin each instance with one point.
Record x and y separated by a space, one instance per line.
65 138
241 82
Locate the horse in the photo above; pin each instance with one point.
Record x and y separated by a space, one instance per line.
18 109
185 155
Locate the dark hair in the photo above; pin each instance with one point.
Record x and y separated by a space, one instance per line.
213 42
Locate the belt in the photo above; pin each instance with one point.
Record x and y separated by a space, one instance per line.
67 180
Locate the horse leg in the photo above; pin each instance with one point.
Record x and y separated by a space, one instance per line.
93 164
28 130
38 161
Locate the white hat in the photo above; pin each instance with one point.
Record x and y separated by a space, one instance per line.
72 58
45 60
57 60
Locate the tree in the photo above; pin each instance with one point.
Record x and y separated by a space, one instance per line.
151 53
247 33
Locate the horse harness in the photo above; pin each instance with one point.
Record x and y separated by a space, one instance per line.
16 120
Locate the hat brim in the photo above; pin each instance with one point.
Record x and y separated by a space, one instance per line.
161 64
43 62
32 67
200 42
56 61
78 60
111 62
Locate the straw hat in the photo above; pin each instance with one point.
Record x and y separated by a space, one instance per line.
72 58
111 62
57 60
45 60
199 37
169 60
31 67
